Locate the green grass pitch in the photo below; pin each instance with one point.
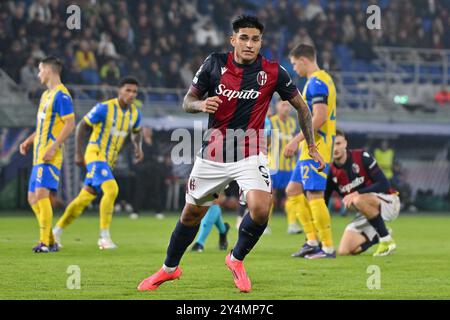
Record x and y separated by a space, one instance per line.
419 269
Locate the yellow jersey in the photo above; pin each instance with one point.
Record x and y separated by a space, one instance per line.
320 89
111 125
55 107
281 133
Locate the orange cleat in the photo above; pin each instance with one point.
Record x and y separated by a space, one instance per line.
241 280
157 279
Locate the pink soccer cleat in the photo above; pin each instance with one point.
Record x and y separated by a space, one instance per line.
158 278
241 280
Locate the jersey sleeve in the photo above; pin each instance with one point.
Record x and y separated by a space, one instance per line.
380 182
318 91
369 162
285 86
63 105
137 124
96 115
201 82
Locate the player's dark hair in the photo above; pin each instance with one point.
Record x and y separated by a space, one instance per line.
54 63
341 133
128 80
244 21
303 50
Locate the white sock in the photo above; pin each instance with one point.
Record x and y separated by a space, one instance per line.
328 250
57 230
104 233
233 258
313 243
386 238
169 269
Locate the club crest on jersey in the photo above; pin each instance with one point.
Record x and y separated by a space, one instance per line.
355 168
104 172
192 184
261 78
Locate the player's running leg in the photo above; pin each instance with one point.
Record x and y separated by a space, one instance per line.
45 211
74 210
370 206
223 228
182 236
110 191
290 207
250 230
206 226
294 192
322 223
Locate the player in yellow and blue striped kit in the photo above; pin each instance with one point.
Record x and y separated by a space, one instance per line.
283 129
55 122
111 122
320 95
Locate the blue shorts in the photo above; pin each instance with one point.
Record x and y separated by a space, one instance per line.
44 176
306 173
280 179
97 173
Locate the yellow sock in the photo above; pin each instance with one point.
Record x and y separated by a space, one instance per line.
305 216
75 208
45 220
35 208
291 207
271 211
322 221
110 191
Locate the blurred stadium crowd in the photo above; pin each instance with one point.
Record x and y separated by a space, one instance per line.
163 42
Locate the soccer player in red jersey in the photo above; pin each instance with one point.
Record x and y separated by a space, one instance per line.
355 175
239 86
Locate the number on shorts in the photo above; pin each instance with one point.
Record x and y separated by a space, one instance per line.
305 172
91 173
39 173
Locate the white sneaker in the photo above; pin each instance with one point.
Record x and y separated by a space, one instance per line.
106 243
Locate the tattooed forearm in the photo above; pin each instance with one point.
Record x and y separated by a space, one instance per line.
304 118
191 103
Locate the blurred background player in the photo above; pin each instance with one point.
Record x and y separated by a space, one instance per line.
320 94
55 122
283 128
111 122
213 217
356 176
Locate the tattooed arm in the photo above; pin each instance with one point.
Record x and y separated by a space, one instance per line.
306 124
193 104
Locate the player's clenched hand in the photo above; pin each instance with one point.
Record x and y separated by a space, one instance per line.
211 104
49 154
79 160
23 148
315 155
291 149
